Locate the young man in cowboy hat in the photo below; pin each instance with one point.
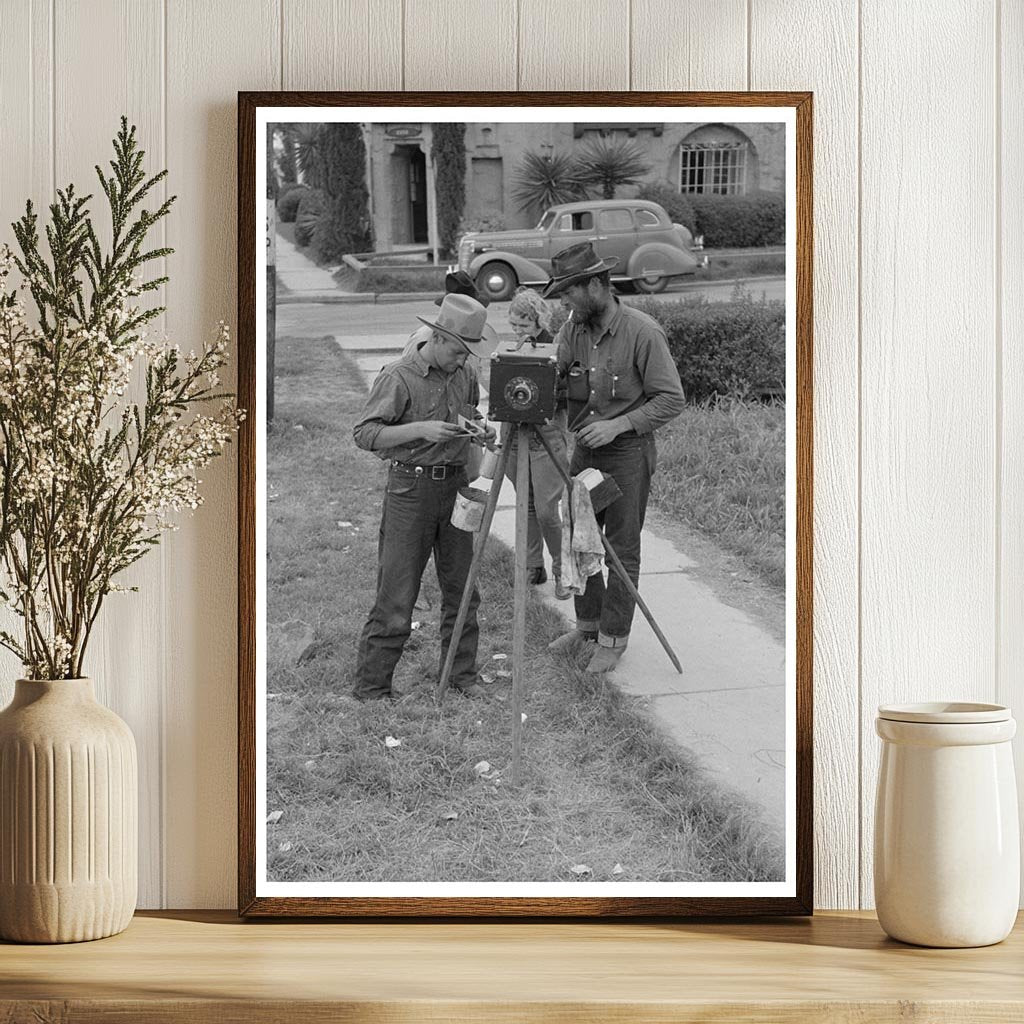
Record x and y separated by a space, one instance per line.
622 385
455 283
411 421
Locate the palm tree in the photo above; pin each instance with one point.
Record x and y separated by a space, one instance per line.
306 139
607 163
541 181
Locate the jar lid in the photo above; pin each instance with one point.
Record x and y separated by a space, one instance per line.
945 713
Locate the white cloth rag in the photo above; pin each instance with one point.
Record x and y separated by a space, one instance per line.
581 538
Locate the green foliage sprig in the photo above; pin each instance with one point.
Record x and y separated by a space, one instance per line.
89 478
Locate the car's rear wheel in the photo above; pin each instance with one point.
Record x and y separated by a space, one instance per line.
652 273
497 281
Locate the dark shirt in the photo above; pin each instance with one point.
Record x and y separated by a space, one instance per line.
626 370
410 390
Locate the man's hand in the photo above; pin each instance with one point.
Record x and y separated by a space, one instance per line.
438 431
489 436
597 435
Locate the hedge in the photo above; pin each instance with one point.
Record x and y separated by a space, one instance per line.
728 222
288 202
311 208
675 204
735 348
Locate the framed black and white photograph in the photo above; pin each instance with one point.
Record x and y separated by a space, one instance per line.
525 504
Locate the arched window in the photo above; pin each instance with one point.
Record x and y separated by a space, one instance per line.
716 159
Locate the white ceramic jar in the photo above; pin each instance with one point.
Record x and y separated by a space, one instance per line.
947 847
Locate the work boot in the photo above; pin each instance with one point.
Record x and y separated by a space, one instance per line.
570 643
473 691
562 592
604 659
535 577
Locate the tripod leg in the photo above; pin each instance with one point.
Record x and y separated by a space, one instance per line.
474 569
619 568
519 593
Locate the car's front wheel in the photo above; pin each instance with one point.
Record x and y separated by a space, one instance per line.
497 281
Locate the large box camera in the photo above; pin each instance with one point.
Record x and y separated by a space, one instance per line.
522 388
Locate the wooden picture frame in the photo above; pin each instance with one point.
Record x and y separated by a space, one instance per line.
793 894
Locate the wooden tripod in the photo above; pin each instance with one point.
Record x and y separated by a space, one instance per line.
524 431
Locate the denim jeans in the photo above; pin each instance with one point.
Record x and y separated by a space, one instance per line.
630 460
544 522
415 523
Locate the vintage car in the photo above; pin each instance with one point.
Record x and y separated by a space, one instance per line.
651 250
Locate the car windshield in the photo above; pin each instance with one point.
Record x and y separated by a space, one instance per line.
546 221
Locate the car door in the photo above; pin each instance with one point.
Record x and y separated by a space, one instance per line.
571 227
616 235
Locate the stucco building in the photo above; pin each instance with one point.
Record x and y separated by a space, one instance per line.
722 158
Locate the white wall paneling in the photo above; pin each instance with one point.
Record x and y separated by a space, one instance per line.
1009 260
829 68
701 44
341 44
213 51
465 45
919 302
928 358
574 44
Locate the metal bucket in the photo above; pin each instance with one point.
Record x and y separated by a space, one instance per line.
489 464
468 513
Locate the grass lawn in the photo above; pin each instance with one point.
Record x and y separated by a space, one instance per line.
722 469
603 795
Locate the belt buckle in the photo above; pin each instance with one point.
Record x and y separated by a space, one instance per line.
435 475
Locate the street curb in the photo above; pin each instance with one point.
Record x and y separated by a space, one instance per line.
323 298
370 298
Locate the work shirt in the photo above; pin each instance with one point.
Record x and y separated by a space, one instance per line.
620 367
410 390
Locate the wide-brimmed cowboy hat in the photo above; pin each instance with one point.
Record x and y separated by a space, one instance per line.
577 263
463 318
460 283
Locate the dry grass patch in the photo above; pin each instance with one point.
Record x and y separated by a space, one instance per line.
601 788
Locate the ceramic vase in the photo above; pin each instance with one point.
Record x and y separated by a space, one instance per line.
947 847
68 815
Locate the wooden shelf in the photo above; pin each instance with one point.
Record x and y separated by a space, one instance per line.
209 966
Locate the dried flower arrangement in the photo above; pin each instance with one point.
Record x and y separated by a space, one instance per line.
89 477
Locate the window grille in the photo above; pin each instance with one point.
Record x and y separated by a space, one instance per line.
719 168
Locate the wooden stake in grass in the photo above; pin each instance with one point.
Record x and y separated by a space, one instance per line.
474 565
523 432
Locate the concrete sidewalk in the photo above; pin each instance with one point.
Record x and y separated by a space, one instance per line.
729 705
300 275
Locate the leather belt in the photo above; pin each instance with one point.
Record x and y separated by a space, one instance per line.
439 472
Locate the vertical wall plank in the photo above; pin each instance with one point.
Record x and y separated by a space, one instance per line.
1010 264
213 51
699 44
574 44
342 44
829 68
928 363
468 45
126 655
26 123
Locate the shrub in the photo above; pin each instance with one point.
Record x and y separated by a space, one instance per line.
676 205
735 348
288 202
345 224
740 221
448 151
311 208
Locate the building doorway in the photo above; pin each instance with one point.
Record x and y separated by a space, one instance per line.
409 194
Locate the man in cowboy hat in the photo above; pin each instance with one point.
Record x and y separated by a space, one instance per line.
622 384
455 283
411 421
